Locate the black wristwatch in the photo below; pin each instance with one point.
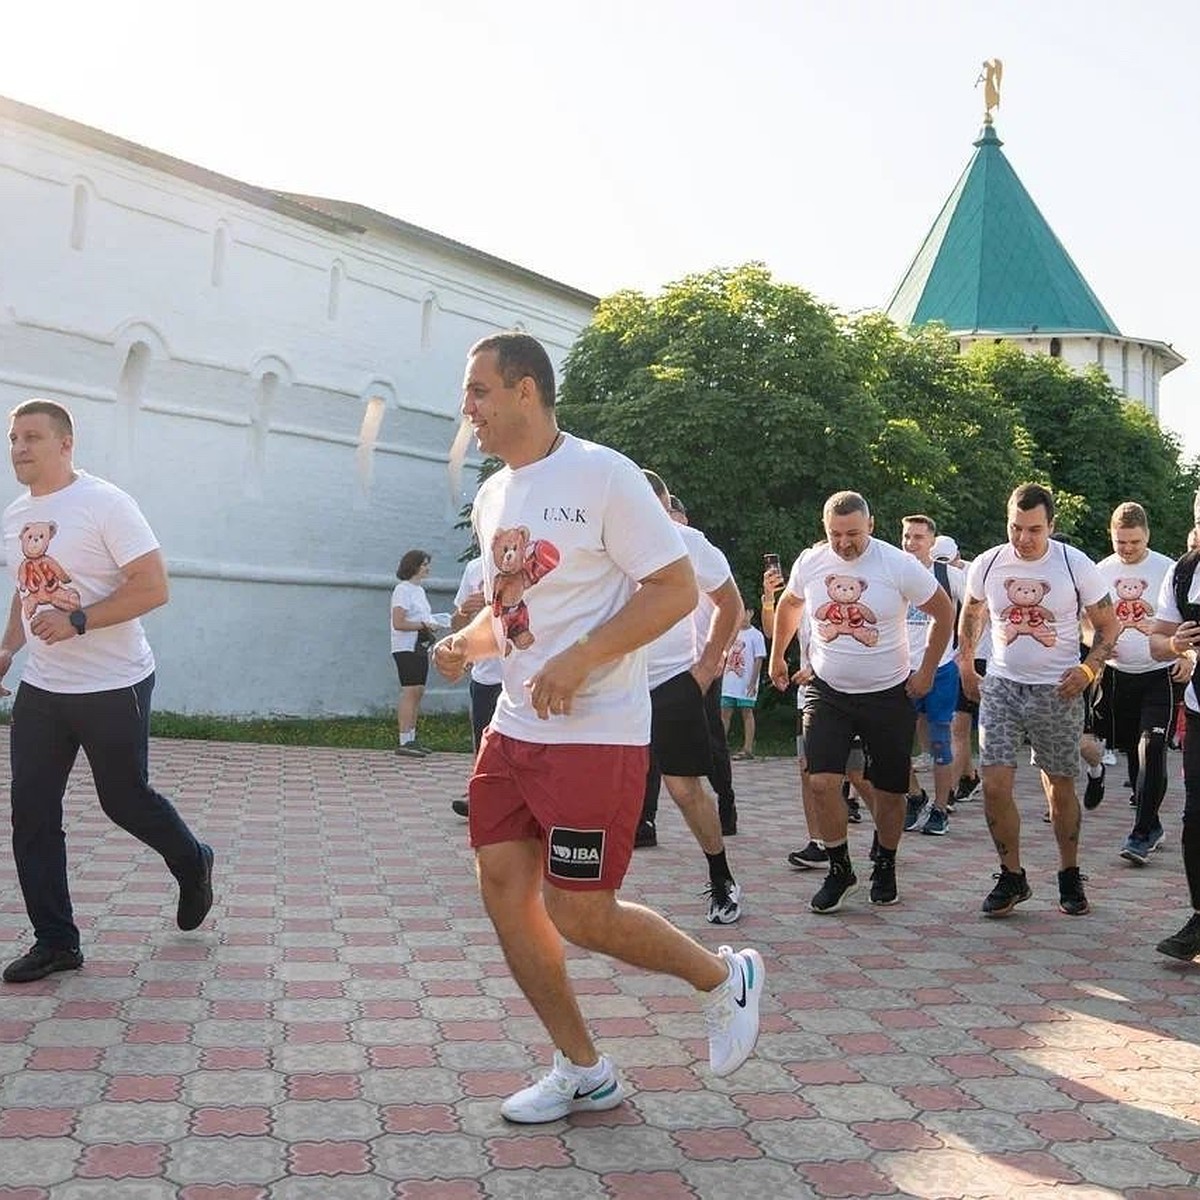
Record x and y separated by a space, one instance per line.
79 620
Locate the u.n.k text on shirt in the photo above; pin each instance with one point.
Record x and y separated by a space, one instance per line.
1034 609
858 611
564 542
678 649
65 551
1134 591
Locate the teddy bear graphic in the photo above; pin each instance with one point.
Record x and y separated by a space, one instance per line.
1132 611
520 563
1025 615
843 615
40 578
735 662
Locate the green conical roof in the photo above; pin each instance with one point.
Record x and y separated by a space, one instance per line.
991 262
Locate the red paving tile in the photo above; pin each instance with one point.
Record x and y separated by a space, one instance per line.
346 1016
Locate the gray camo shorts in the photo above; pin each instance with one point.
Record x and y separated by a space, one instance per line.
1008 711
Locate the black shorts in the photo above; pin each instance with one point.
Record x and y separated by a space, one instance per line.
886 722
1132 704
965 703
679 736
412 666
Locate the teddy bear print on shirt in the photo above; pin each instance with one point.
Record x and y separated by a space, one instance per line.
1132 611
1025 615
844 615
40 577
520 563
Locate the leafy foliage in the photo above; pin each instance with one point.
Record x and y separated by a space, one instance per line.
755 402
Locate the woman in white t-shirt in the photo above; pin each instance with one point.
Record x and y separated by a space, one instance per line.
411 617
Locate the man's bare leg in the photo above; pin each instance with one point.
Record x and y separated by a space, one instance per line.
1000 811
1065 816
699 811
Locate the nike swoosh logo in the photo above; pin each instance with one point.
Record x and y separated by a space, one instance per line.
740 1001
599 1092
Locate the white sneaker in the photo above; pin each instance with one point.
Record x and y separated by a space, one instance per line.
922 762
1109 758
566 1089
724 905
731 1011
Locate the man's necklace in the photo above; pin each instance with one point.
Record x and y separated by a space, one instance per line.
553 444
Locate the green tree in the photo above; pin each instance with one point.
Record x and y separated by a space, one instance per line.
1093 446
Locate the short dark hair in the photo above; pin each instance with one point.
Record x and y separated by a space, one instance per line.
655 480
1028 496
411 563
678 506
519 355
59 414
842 504
920 519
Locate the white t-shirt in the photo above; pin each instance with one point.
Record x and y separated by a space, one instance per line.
565 541
66 550
1134 591
1034 609
678 649
1168 611
703 613
410 597
741 679
918 621
858 612
487 671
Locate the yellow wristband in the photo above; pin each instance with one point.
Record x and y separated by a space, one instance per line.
1088 671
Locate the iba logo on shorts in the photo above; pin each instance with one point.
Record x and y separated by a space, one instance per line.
576 853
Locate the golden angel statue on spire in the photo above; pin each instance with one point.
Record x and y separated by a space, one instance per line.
993 72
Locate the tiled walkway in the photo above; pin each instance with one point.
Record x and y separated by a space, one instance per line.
345 1025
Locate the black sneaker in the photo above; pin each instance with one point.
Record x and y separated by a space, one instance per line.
196 896
1094 792
883 881
839 883
914 807
969 787
646 835
1133 800
1071 899
1184 945
1012 888
853 810
808 857
460 808
40 961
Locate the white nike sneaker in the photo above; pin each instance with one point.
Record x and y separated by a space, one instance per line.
566 1089
731 1011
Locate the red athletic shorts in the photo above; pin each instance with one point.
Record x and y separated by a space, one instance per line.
582 802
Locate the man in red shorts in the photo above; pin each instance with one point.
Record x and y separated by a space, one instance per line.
582 568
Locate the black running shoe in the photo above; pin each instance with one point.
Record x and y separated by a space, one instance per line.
853 810
1071 899
460 808
1184 945
647 835
40 961
196 894
808 857
1011 889
1094 792
883 881
839 883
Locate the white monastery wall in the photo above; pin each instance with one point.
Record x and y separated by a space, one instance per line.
278 392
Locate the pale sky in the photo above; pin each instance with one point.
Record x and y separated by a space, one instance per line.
628 143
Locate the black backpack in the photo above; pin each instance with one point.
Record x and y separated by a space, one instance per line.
1181 581
942 574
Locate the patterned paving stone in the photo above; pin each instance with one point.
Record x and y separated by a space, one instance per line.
346 1026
